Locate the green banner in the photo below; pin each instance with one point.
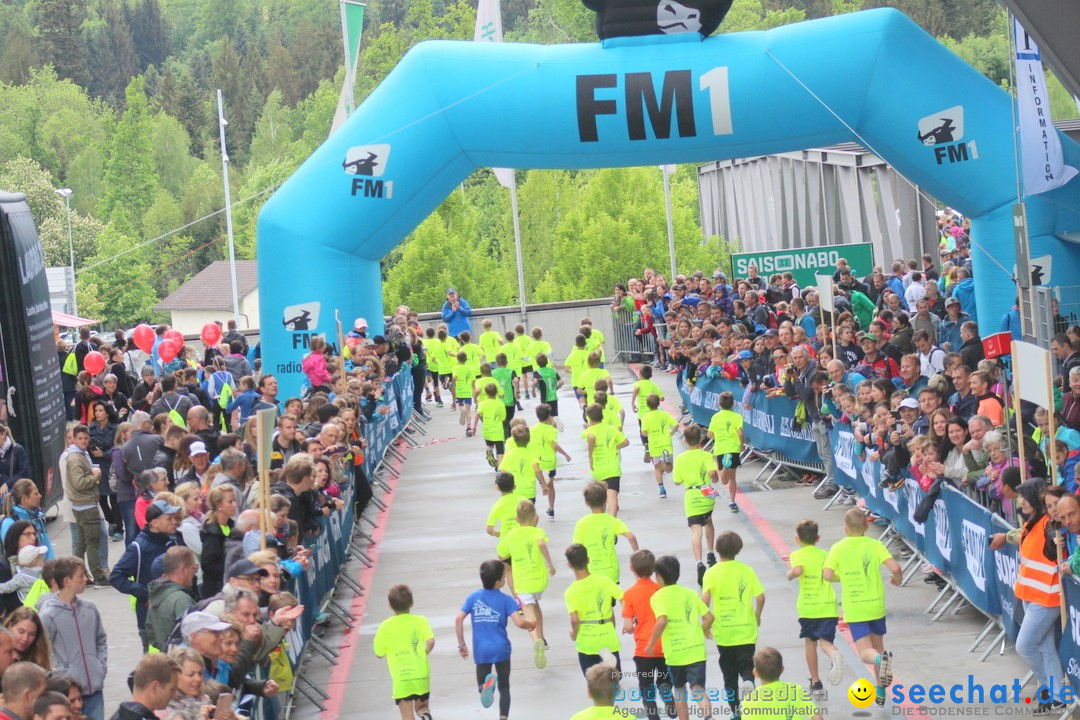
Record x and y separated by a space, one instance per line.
352 24
805 263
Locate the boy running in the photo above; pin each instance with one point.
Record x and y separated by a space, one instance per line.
507 380
775 698
604 443
513 361
683 621
524 345
545 443
482 382
436 356
853 563
406 640
658 427
540 346
491 412
598 531
816 606
643 388
590 602
524 550
463 382
489 341
696 470
488 610
595 378
602 681
472 351
546 384
577 363
726 431
737 597
503 516
523 464
639 621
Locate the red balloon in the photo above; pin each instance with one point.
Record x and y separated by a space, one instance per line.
167 350
144 338
94 362
176 336
211 334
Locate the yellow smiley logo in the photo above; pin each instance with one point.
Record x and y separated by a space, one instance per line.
862 693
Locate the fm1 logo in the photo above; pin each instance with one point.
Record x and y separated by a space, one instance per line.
943 131
367 163
675 102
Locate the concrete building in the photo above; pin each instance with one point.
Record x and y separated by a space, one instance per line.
208 297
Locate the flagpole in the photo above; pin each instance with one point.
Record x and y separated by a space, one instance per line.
228 206
670 226
517 249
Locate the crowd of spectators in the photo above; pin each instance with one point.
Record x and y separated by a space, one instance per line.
161 457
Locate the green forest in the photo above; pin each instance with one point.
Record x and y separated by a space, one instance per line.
116 100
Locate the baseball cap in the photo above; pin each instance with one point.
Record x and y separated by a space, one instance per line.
368 342
29 553
160 507
911 403
451 290
198 448
199 621
745 355
771 333
952 301
245 568
719 274
868 336
360 323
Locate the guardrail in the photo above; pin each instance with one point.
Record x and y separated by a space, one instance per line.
954 538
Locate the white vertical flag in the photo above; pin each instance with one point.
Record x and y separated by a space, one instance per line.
825 292
489 29
1044 166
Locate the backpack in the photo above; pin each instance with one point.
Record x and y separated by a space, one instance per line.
71 364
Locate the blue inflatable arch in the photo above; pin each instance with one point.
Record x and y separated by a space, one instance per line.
451 107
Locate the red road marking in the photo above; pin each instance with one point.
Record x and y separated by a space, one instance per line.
339 677
783 550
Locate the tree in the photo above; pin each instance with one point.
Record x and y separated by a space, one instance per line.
112 55
148 31
53 233
26 176
130 180
173 163
60 38
18 57
116 288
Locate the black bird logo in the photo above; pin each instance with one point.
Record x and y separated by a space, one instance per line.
361 166
943 133
298 323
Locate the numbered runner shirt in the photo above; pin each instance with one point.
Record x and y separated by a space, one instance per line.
725 426
505 378
732 587
683 637
463 380
542 440
489 610
522 546
856 562
691 469
402 640
492 413
817 598
489 343
779 700
590 597
657 424
503 515
645 388
549 383
605 463
598 532
520 462
577 361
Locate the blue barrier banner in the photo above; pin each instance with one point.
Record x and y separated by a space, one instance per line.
843 443
881 501
1069 648
1006 567
937 539
769 423
905 507
974 563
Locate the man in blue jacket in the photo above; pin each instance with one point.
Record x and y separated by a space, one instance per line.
964 291
456 313
132 573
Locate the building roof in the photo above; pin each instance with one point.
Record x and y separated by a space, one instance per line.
211 289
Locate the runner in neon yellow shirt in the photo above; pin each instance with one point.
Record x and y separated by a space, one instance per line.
777 699
643 388
544 441
512 352
483 381
589 602
683 622
593 375
594 339
613 412
523 464
525 549
577 362
524 346
546 385
816 605
603 682
726 431
598 532
491 412
540 346
658 427
695 469
472 351
489 341
503 516
436 356
735 594
406 640
855 563
604 443
463 381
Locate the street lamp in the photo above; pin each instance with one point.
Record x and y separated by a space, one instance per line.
66 194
